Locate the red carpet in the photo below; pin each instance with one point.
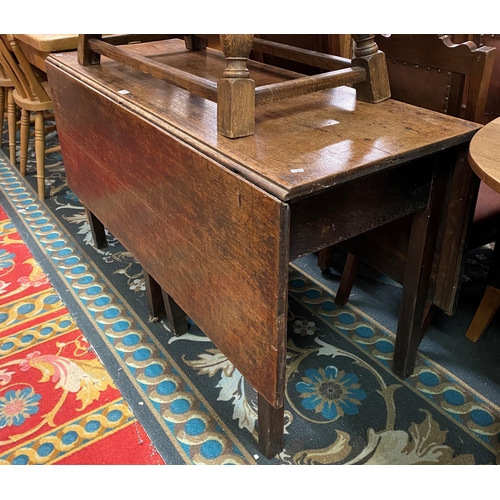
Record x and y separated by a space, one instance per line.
58 405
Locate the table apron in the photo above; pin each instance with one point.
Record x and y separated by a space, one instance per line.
355 207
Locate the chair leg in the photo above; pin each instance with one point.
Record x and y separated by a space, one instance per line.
25 131
2 113
11 119
40 154
347 280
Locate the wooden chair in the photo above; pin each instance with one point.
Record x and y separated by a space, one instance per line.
7 102
32 95
492 109
432 72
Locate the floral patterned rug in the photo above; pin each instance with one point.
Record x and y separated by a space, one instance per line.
58 403
343 404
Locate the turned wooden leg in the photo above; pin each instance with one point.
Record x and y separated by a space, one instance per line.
154 297
376 87
40 153
2 112
415 291
11 119
325 258
271 421
347 280
97 230
490 301
235 90
25 132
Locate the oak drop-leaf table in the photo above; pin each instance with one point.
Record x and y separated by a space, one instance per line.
216 221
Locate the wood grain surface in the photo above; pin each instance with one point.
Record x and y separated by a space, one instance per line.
186 219
484 154
214 221
330 136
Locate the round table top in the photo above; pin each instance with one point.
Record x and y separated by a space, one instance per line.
484 154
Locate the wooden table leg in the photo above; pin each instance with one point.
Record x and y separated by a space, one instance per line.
325 258
176 317
415 292
347 280
97 229
154 297
490 301
162 305
271 422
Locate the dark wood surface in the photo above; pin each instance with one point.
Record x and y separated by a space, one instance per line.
237 94
214 220
325 135
193 213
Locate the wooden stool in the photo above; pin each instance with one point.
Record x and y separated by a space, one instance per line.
484 152
490 301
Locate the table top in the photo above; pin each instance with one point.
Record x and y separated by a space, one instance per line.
484 154
300 146
49 43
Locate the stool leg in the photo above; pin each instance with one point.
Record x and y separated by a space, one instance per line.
484 314
490 301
